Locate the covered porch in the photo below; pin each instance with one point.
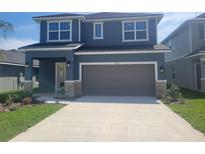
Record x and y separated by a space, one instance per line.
56 73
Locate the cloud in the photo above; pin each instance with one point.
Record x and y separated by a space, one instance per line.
171 21
14 43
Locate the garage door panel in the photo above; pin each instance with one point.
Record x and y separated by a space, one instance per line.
118 80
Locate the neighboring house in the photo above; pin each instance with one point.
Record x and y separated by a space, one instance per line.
12 68
185 64
98 54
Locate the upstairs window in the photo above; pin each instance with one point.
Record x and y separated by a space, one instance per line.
59 31
202 31
97 30
135 31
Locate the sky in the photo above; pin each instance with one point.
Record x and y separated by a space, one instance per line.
27 31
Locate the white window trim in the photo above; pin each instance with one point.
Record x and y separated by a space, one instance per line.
155 63
135 40
79 30
94 36
59 21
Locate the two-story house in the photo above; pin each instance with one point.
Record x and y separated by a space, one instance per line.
98 54
185 65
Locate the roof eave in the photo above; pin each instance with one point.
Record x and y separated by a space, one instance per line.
196 55
121 52
159 17
175 31
51 48
39 19
181 26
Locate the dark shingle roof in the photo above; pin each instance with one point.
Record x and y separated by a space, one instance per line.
107 15
123 48
101 15
14 57
51 45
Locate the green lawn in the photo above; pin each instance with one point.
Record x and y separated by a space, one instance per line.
193 110
13 123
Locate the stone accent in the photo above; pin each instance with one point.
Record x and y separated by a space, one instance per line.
160 88
202 84
28 85
78 88
72 88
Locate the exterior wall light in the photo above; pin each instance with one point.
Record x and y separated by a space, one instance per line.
161 69
27 64
68 63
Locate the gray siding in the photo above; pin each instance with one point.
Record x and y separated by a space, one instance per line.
180 45
197 43
112 31
43 31
9 77
75 31
184 73
121 58
47 54
48 59
184 42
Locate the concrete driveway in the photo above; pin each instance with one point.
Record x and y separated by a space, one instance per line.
109 118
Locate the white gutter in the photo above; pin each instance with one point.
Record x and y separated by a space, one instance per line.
5 63
120 52
198 54
124 18
58 18
13 64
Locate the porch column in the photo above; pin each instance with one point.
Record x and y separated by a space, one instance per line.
69 83
28 75
160 88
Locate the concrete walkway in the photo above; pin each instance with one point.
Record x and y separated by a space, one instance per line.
112 119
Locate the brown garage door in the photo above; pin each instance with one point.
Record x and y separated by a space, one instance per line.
130 80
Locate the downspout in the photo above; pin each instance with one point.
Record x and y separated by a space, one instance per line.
190 38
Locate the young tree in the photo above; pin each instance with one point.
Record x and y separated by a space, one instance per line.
6 27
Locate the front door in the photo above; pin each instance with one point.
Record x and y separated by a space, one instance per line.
60 76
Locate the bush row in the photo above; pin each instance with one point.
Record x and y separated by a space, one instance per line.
16 96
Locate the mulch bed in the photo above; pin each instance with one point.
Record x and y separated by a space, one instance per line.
12 106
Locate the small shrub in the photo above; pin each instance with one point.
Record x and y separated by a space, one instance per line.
27 101
12 107
17 96
174 92
173 95
62 90
9 100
